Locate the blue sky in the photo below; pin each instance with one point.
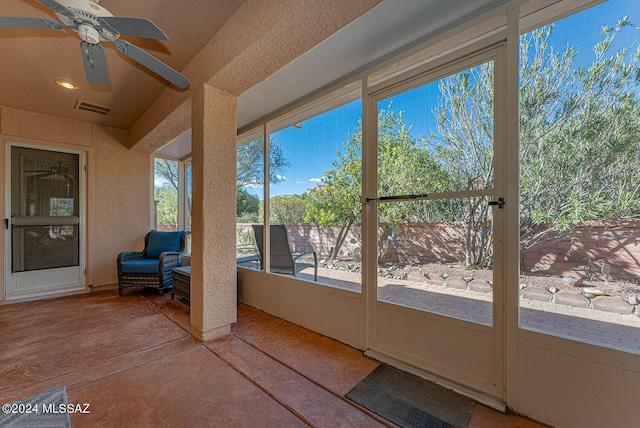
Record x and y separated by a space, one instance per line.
311 148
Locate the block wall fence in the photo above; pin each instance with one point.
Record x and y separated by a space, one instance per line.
580 252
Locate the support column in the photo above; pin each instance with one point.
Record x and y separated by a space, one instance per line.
213 236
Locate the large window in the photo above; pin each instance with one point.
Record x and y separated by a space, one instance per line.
172 192
315 189
249 197
165 192
315 184
580 178
579 183
188 201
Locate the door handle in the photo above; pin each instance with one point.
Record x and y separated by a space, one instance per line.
6 224
500 203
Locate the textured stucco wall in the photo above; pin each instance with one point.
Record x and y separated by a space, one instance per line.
213 265
120 201
118 184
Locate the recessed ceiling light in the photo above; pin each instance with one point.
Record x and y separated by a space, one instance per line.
66 84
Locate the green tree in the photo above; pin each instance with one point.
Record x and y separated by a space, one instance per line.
403 163
166 198
463 146
250 172
247 206
579 138
288 209
166 194
579 135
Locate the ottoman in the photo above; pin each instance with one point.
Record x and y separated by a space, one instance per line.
181 278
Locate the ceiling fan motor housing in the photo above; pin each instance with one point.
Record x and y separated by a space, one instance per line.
86 14
88 34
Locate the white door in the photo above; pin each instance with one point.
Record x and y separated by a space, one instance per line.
43 228
447 318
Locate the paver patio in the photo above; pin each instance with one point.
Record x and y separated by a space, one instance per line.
590 325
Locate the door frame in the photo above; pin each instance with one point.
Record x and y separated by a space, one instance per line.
491 390
81 284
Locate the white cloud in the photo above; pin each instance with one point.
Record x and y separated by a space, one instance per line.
316 180
280 177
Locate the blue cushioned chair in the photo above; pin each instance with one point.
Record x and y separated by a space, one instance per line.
152 267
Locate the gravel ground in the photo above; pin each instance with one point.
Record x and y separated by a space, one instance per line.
434 273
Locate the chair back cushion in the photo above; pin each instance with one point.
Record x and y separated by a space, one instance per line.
160 242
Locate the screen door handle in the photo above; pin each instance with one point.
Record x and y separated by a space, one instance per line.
500 203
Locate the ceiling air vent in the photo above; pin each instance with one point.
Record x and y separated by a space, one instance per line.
93 108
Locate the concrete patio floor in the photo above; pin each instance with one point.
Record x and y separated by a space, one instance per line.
133 360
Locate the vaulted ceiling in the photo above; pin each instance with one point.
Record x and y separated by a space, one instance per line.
31 60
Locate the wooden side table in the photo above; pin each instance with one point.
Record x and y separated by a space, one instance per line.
181 281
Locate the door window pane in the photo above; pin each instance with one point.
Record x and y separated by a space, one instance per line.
45 183
437 256
44 247
44 209
439 136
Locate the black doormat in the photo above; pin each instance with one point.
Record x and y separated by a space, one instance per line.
410 401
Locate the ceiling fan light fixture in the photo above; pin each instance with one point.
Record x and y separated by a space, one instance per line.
67 84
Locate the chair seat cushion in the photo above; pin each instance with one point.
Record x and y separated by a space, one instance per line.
160 242
150 266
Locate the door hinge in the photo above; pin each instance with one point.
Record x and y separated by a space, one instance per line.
500 203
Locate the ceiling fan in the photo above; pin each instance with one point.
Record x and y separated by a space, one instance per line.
95 24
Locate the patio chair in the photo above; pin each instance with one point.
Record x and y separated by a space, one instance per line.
152 266
247 256
283 260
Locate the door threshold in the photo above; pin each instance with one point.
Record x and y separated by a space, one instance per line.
45 295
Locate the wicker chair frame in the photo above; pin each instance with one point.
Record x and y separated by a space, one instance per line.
163 279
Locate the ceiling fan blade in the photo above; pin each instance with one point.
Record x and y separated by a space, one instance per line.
22 22
152 63
57 7
137 27
95 63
